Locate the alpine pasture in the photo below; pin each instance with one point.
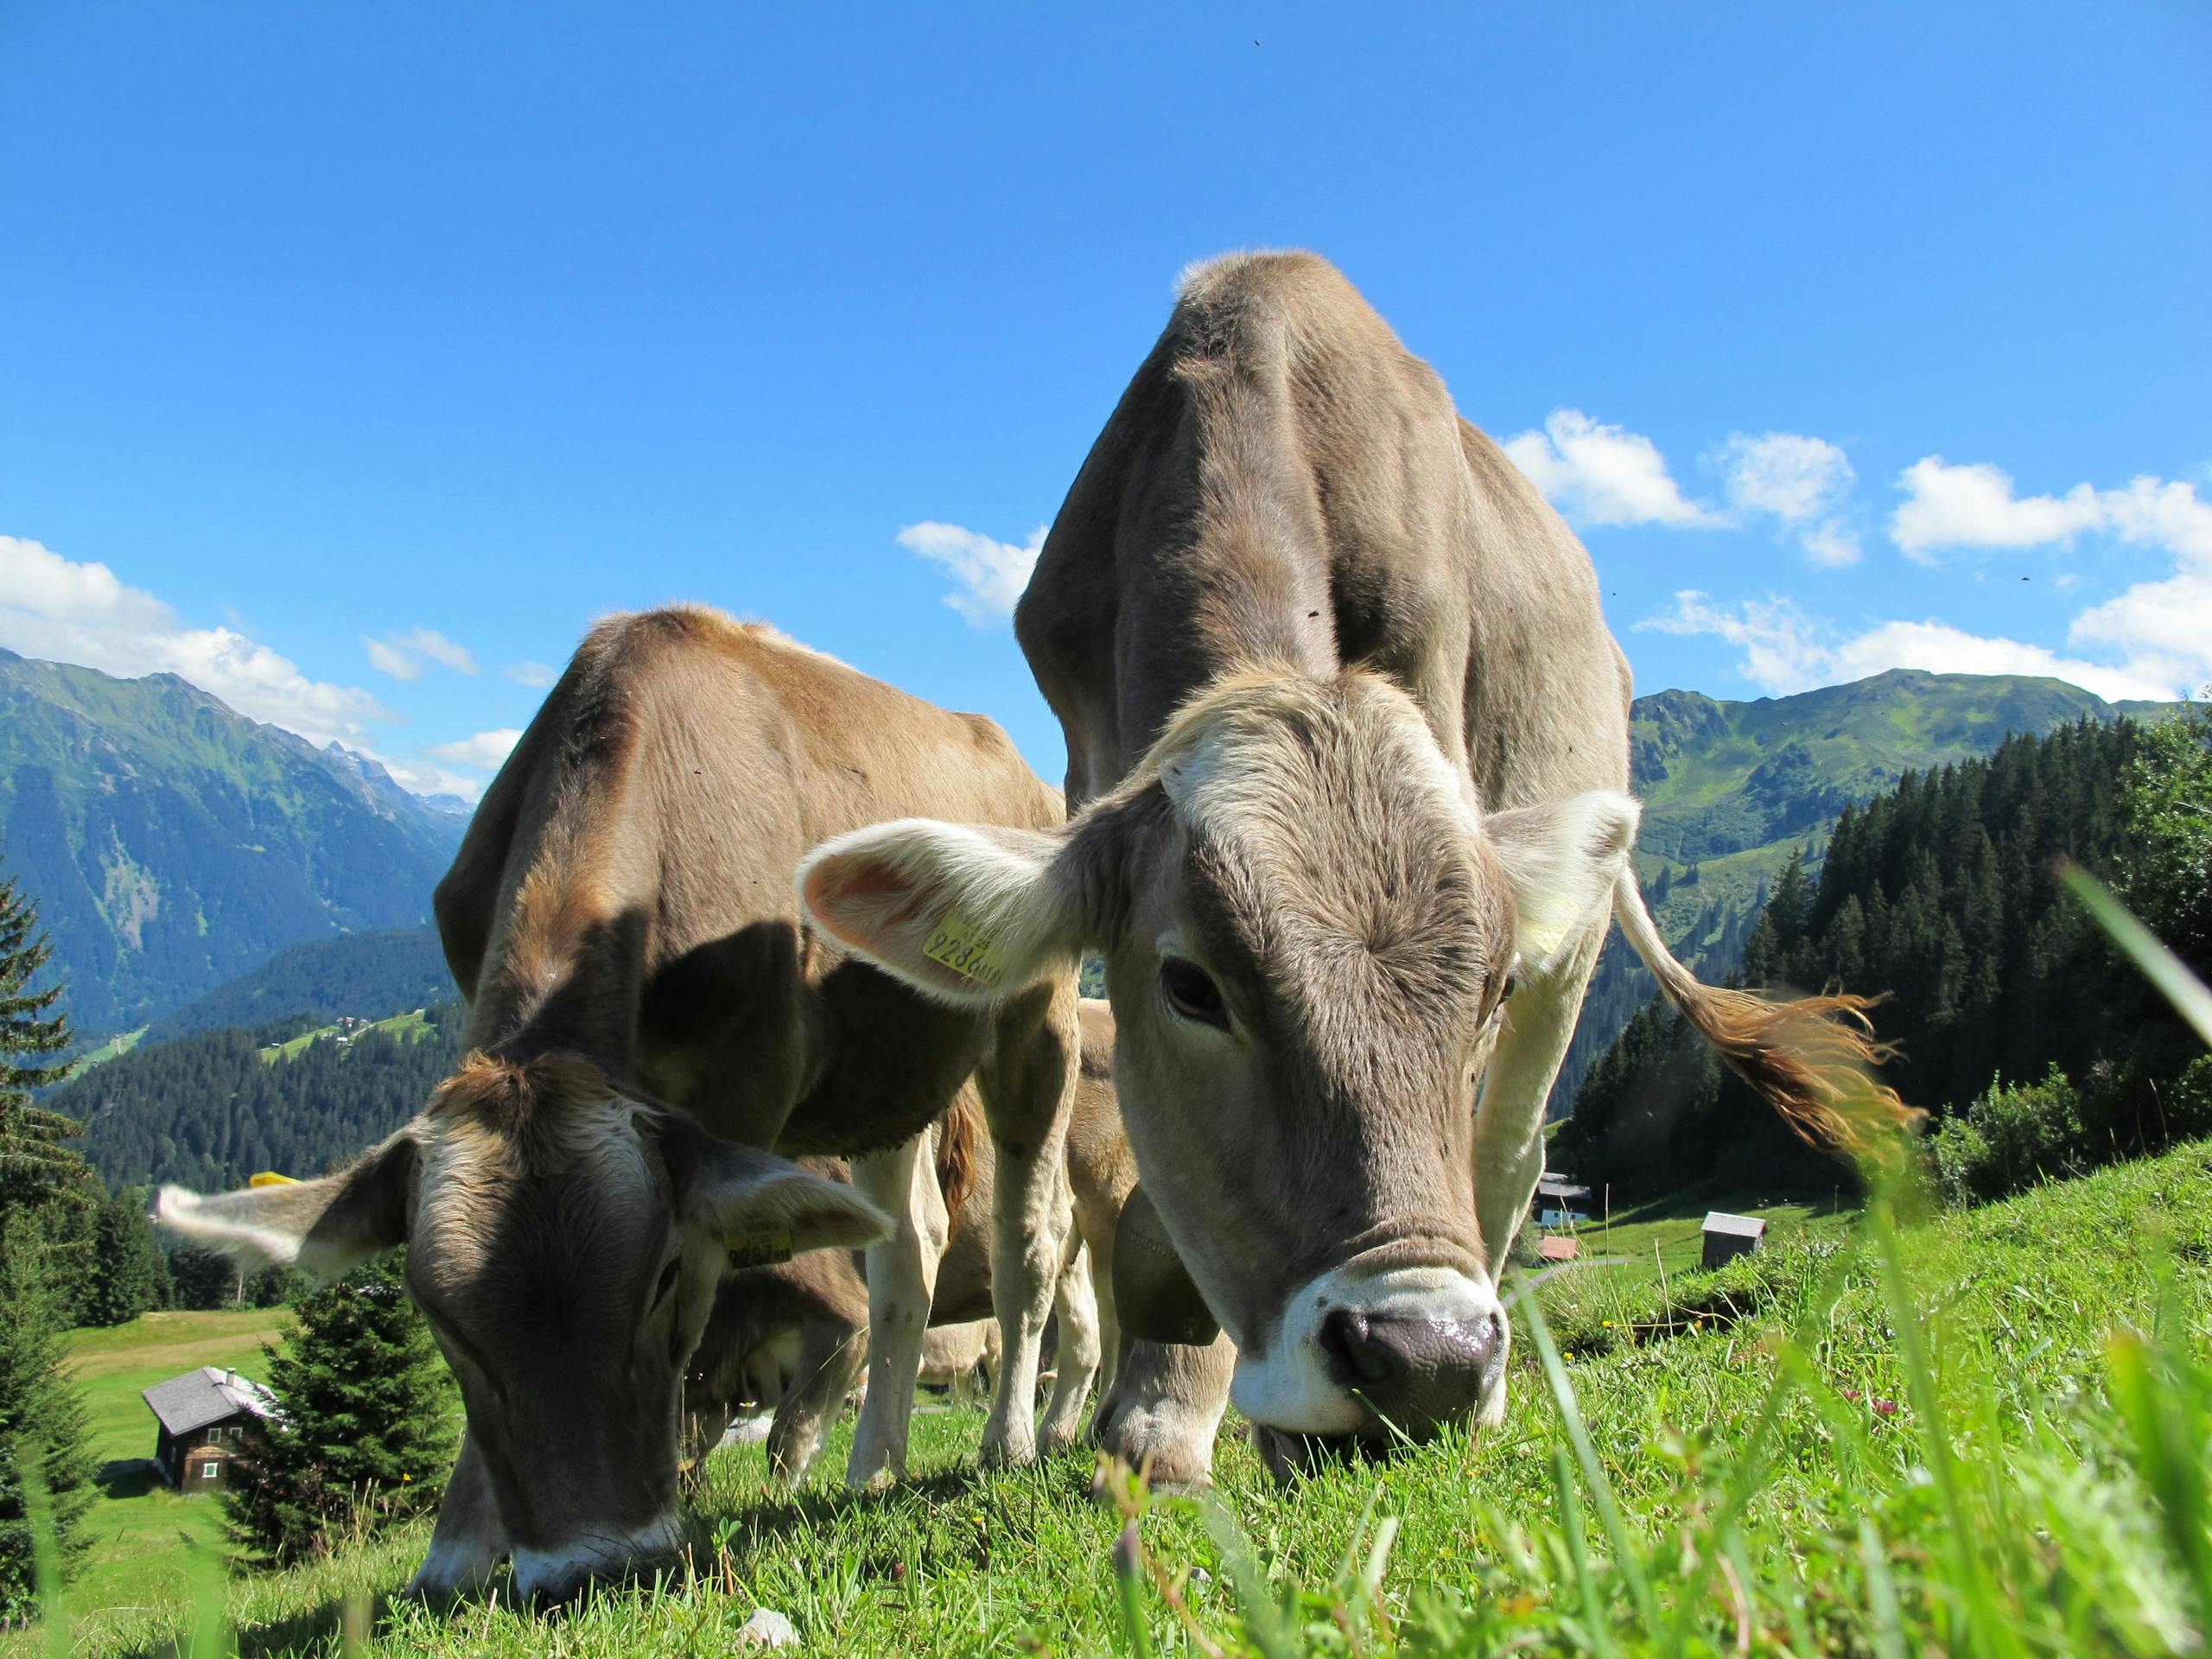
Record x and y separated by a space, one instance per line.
1979 1434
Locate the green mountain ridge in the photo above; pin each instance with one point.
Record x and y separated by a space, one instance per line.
1731 790
171 843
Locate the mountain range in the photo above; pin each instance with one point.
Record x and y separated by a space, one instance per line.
171 843
175 848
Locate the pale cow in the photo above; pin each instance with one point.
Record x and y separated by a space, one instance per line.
1350 739
644 1004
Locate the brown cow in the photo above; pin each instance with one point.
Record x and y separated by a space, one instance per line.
1352 740
644 1002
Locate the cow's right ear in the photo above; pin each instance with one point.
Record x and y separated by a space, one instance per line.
761 1208
966 913
323 1227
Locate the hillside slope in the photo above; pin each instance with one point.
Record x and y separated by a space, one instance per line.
171 843
1730 790
367 975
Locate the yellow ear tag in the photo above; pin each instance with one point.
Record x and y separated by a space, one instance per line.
959 945
270 1177
761 1247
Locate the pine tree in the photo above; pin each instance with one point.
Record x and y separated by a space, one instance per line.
368 1421
35 1168
203 1278
130 1273
42 1420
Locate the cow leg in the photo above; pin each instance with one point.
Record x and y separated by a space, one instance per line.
901 1281
469 1541
1076 1362
1165 1409
1028 1084
830 1358
1509 1148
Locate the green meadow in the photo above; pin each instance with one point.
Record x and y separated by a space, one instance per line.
1985 1432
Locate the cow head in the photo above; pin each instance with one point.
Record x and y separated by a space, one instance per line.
564 1243
1310 930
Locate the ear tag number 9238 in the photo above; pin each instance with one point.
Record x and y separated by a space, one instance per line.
959 945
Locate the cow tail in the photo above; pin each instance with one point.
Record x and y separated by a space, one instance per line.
1812 1058
956 1137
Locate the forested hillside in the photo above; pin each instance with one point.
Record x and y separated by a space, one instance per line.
208 1110
1940 894
366 974
1732 791
171 843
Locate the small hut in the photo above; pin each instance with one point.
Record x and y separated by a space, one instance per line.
1728 1236
208 1418
1558 1249
1559 1202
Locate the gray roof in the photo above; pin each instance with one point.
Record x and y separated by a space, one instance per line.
1719 1221
1559 1187
207 1395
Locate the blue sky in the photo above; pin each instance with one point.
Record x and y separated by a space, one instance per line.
355 360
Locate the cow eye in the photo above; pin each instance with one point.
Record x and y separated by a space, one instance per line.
667 1283
1191 992
1505 991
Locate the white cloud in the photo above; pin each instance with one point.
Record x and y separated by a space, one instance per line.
992 574
1795 480
401 655
536 675
485 751
1786 650
1599 475
1786 474
58 609
1830 543
1950 506
2161 627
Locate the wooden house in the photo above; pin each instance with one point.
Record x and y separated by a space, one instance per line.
208 1419
1559 1202
1727 1236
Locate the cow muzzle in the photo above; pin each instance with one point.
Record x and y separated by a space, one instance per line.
560 1573
1380 1359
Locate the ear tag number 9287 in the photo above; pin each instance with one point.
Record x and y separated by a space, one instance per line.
959 945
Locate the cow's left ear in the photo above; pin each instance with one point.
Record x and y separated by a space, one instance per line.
323 1227
967 912
761 1208
1562 860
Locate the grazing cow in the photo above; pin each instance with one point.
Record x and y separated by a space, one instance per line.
644 1003
1350 741
794 1336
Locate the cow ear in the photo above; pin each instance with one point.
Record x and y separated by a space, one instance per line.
323 1227
761 1208
1562 860
968 913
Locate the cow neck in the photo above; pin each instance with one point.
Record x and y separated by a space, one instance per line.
578 994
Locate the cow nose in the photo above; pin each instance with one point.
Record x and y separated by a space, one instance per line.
1416 1374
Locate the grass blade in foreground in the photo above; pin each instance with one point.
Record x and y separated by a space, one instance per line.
2189 995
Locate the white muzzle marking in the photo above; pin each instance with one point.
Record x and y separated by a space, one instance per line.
1286 1385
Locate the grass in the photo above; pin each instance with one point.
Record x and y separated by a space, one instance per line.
137 1522
1983 1435
1647 1246
408 1027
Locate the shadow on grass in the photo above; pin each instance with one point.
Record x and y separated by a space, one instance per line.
128 1478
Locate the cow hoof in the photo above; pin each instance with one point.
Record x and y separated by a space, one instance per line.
1171 1458
1002 1455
